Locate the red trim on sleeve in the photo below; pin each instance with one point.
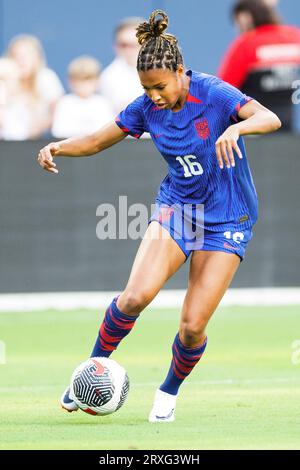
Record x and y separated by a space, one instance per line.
239 106
126 130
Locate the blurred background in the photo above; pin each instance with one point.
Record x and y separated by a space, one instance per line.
70 28
68 67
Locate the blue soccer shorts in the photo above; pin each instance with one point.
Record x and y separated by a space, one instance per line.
188 232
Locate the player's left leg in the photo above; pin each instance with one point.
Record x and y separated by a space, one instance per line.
157 259
211 273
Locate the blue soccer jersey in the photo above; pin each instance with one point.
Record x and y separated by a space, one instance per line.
186 140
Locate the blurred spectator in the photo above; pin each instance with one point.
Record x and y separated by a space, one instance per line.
9 89
40 88
119 82
264 60
82 111
271 3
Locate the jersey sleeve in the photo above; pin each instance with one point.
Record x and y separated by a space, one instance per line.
131 120
228 100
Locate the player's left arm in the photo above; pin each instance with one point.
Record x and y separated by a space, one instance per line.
256 119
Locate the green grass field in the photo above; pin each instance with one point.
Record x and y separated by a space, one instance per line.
244 394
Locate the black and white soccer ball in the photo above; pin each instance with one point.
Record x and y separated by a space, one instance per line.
99 386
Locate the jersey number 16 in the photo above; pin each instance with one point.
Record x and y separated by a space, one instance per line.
191 168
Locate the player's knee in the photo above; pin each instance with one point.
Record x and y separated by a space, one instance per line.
132 302
191 333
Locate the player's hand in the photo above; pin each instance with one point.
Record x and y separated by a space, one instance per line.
46 155
225 145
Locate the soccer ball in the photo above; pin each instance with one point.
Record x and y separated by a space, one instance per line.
99 386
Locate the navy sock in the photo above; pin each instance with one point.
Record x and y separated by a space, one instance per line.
115 326
183 362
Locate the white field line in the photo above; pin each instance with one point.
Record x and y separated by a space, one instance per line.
24 302
253 381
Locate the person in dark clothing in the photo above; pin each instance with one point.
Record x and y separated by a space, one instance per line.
264 61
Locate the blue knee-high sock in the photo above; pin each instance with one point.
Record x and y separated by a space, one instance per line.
115 326
183 362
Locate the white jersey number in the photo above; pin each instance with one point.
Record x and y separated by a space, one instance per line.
236 237
191 168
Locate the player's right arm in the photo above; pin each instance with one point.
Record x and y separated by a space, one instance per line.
80 146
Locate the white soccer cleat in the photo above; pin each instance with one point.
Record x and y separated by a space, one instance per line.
67 402
163 409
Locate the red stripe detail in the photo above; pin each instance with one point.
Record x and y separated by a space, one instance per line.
185 367
178 375
193 99
181 368
119 123
238 108
124 324
106 346
107 337
90 412
186 361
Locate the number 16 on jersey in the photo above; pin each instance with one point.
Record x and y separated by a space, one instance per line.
191 168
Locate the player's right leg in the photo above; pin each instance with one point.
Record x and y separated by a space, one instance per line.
157 259
211 273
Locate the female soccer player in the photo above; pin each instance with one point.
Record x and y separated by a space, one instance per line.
197 122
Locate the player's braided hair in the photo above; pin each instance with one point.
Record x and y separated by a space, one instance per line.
159 50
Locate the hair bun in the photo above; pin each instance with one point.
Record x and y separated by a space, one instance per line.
158 26
155 28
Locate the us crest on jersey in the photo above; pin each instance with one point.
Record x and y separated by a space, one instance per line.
202 128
